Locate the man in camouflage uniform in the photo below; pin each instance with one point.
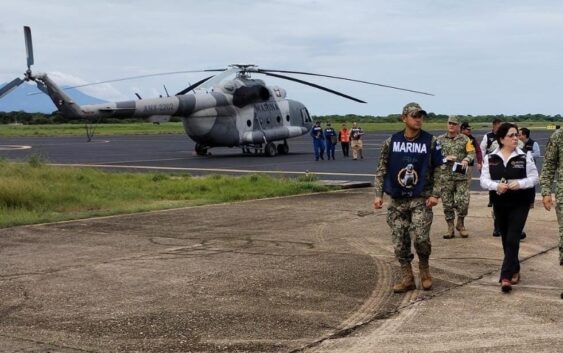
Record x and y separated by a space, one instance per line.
553 164
409 169
459 152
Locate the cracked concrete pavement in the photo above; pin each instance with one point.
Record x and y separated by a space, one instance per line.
309 273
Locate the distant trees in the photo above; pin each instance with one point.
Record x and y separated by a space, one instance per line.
53 118
56 118
436 117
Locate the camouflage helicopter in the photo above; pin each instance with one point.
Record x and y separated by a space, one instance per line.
242 112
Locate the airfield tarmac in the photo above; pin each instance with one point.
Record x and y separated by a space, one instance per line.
296 274
175 153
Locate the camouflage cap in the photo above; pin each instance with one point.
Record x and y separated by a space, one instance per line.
453 119
413 108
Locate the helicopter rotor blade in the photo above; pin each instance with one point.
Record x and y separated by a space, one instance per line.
195 85
165 90
136 77
344 78
312 85
28 46
10 86
220 77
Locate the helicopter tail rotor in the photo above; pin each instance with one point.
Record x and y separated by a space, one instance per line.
27 75
28 47
10 86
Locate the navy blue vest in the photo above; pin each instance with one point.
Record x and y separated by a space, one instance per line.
515 169
491 137
529 145
410 165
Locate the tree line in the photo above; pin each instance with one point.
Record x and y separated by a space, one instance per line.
21 117
391 118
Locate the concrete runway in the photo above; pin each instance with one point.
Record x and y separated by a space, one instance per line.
175 153
309 273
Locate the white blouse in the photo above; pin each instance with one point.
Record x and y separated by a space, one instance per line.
532 177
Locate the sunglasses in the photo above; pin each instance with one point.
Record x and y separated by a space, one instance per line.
514 134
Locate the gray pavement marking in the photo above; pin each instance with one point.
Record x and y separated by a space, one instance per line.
140 167
14 147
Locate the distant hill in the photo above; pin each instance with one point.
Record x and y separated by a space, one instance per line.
19 99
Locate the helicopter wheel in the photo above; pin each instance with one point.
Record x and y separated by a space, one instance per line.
270 149
283 148
200 150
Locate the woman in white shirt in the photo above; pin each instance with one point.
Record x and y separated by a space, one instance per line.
512 174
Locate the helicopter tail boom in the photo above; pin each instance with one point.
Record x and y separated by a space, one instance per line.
66 106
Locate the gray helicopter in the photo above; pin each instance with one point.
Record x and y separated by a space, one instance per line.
242 112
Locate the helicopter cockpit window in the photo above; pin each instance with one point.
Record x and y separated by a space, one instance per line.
305 115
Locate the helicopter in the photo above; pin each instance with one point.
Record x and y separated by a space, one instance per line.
243 112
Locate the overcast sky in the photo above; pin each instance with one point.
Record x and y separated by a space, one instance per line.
477 57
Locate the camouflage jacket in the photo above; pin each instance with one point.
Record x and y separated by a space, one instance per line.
552 164
432 186
459 146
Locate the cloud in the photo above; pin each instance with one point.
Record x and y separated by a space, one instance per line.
477 56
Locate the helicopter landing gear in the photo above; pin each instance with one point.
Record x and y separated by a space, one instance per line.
270 150
200 150
283 148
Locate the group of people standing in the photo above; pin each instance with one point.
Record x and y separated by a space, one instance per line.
416 169
327 139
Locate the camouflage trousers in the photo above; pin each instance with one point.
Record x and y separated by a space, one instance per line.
455 197
559 211
357 146
410 219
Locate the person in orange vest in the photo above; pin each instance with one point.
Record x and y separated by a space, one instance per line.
344 138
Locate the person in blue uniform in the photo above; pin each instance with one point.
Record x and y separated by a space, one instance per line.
331 140
318 141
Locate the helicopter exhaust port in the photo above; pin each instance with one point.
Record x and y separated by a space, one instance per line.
247 95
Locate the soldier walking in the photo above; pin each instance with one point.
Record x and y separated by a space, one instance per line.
553 165
408 171
488 145
459 152
357 145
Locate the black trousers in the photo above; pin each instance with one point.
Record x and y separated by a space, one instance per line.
511 219
345 148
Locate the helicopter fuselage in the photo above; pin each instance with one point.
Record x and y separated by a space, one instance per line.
238 112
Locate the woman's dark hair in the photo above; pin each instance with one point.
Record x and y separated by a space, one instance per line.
503 130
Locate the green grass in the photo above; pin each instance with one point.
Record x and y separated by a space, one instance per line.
101 129
177 128
36 193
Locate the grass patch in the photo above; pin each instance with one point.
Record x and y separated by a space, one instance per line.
34 192
145 128
142 128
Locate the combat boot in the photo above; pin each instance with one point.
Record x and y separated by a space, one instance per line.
406 282
450 234
425 277
461 227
